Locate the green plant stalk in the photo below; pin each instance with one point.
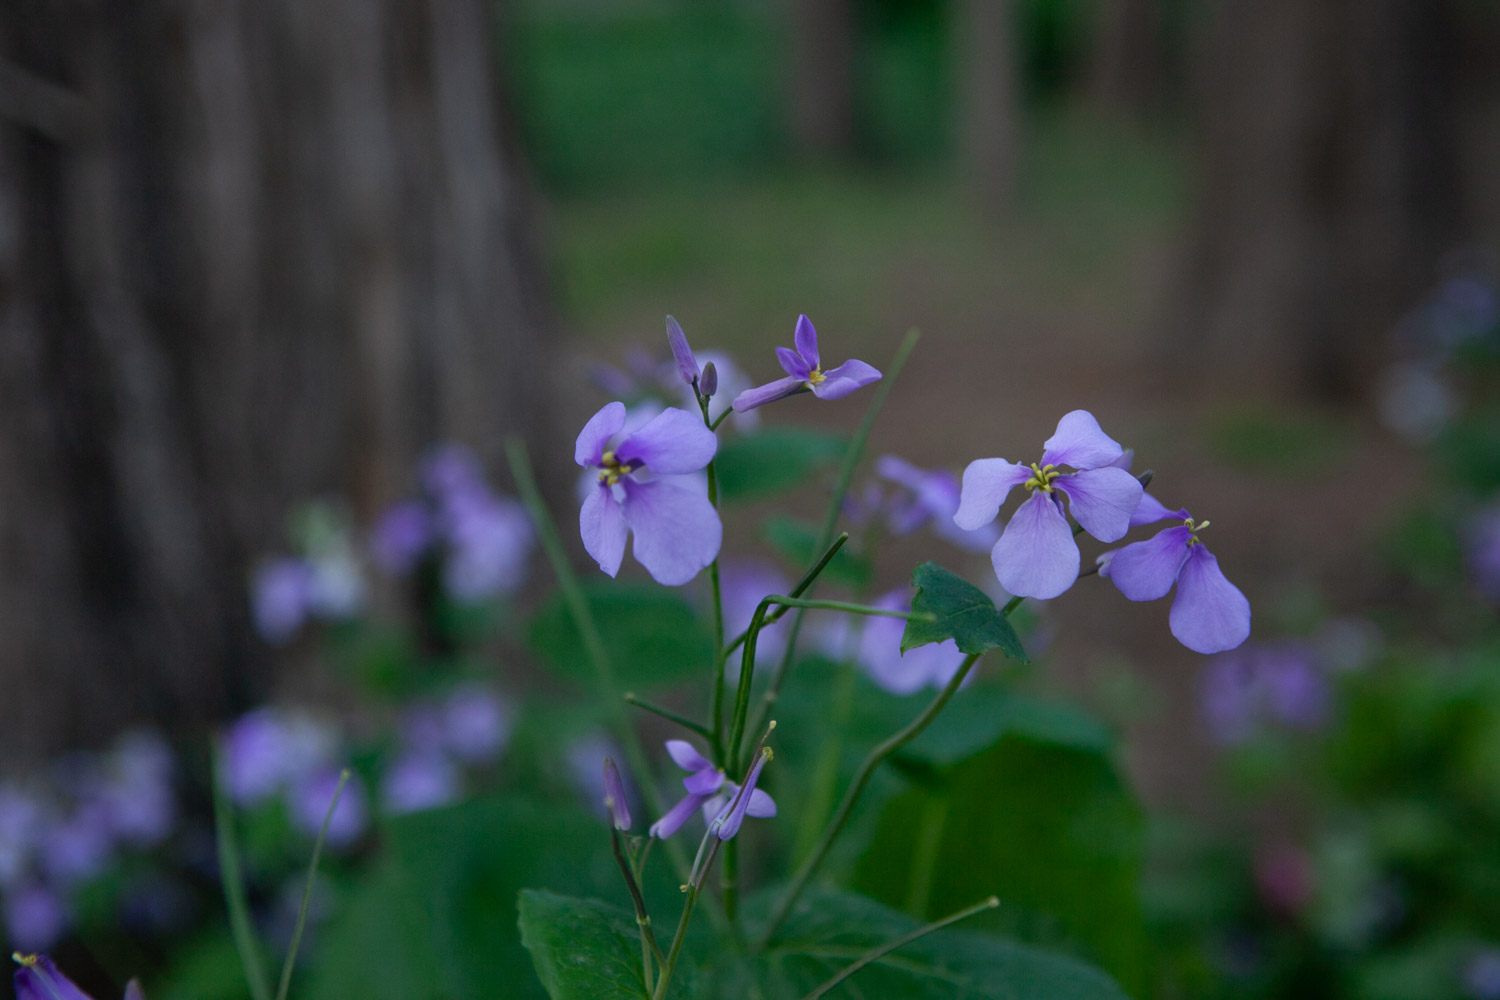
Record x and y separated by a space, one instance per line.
307 890
925 855
797 591
642 918
631 698
716 737
588 629
877 954
693 887
826 772
232 880
876 757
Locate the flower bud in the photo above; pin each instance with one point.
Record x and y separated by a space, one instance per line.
687 365
708 382
614 796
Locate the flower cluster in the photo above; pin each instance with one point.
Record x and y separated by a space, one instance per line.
324 582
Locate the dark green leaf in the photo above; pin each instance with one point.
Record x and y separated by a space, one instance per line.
654 636
827 930
964 613
772 461
1050 829
583 949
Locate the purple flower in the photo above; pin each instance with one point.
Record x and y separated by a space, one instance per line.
418 781
136 796
1482 538
78 848
615 799
282 598
476 723
687 365
20 821
729 382
35 917
677 531
1036 556
805 374
309 800
743 585
881 658
709 791
742 801
931 499
401 537
451 470
265 749
1482 975
39 978
1280 683
1209 614
489 540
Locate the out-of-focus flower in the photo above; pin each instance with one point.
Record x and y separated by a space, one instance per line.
1482 550
677 531
476 723
1280 683
743 585
881 658
136 794
282 595
266 749
1415 401
1036 555
76 848
418 781
35 917
403 534
20 822
309 800
1284 878
804 373
930 500
1209 614
582 759
489 540
1481 975
615 799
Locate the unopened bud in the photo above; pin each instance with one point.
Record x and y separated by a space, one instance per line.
708 382
614 796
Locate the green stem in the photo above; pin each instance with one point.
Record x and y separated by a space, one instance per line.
307 890
925 854
649 946
801 588
233 882
825 781
668 714
877 756
716 736
877 954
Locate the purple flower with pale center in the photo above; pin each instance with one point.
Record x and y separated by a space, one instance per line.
1036 555
402 536
35 917
1209 614
804 373
881 658
419 781
476 723
282 598
310 798
931 499
677 531
615 799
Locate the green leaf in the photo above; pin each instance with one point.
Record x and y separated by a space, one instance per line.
828 929
772 461
964 613
654 636
1051 829
582 948
795 541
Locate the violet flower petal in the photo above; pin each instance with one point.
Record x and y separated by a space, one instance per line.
1145 571
793 364
676 816
677 532
133 990
704 782
687 365
589 449
38 978
1152 510
736 817
674 442
844 379
761 806
1036 556
806 341
687 757
769 393
1080 442
1209 614
1102 500
986 484
601 523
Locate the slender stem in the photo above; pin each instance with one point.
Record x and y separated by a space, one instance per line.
868 610
893 743
720 419
716 736
666 713
307 890
1011 605
642 918
588 629
233 883
925 855
801 588
878 953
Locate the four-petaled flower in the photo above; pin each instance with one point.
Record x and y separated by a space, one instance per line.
710 791
805 374
677 531
39 978
1209 614
1036 556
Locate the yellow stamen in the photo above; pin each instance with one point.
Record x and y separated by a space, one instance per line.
1194 527
816 377
26 960
1042 477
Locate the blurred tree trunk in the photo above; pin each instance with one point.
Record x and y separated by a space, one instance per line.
822 84
1125 74
251 251
1331 188
989 95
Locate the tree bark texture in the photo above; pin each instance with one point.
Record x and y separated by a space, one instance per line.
1331 189
821 89
251 252
989 97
